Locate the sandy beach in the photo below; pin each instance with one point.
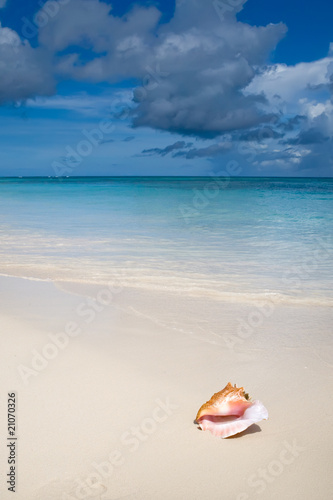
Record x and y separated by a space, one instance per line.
166 230
105 411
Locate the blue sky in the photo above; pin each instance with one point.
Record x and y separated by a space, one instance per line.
191 87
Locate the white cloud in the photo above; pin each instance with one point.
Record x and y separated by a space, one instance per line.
9 37
291 83
3 3
301 93
85 104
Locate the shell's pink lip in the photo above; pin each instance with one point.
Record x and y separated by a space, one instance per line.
234 409
218 418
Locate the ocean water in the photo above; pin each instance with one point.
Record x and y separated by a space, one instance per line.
227 239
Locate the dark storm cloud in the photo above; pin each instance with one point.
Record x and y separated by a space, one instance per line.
164 151
207 62
208 152
260 134
192 70
292 123
330 74
106 141
201 74
320 161
306 137
25 71
185 150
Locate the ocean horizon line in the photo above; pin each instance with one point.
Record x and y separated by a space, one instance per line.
176 177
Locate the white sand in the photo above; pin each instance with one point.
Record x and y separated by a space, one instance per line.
125 391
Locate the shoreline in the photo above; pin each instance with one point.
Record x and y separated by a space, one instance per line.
276 297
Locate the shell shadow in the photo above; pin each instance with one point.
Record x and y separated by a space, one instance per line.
253 429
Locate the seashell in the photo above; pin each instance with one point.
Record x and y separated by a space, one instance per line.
229 412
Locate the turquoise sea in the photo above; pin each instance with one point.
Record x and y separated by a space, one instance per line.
217 237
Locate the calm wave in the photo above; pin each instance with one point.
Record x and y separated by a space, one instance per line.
229 239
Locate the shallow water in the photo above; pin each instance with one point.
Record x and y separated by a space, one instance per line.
239 239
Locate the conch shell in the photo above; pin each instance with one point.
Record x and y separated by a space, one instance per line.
229 412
